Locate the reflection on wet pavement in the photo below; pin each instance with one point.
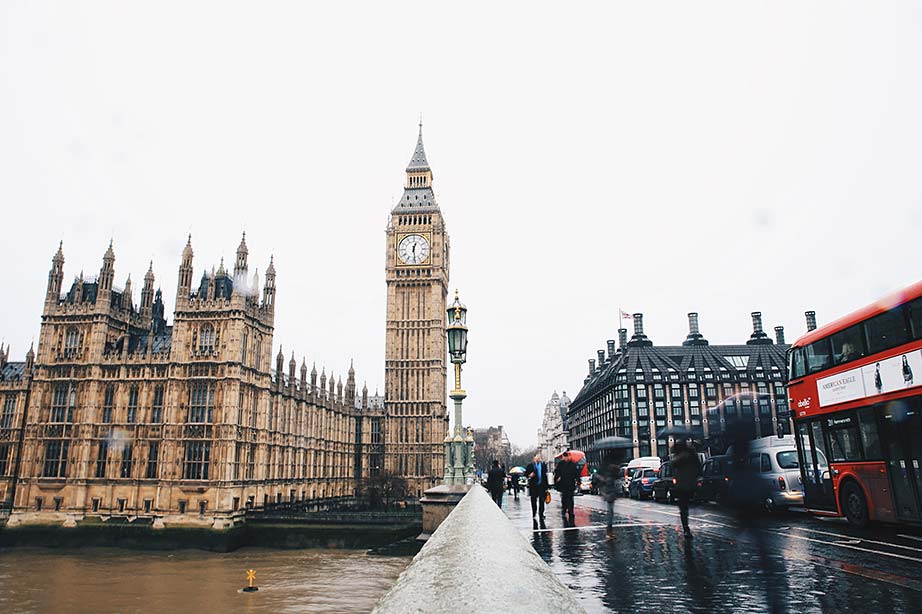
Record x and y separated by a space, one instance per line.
806 565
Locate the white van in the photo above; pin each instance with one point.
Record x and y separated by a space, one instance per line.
644 462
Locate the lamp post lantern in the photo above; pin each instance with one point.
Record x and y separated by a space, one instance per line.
458 448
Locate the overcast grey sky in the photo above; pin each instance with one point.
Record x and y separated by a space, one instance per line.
720 157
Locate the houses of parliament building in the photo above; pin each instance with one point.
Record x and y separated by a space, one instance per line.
117 413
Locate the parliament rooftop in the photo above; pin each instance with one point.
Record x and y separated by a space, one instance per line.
638 389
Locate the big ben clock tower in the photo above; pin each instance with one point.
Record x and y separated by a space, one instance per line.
415 356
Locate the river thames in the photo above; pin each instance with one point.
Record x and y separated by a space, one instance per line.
113 580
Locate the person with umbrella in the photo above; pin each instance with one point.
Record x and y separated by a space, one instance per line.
608 479
514 474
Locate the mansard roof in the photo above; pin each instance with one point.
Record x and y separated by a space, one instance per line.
640 363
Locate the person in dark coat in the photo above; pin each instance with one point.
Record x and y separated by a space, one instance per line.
538 484
495 479
687 466
565 477
516 487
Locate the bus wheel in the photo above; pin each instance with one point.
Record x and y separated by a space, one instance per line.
854 505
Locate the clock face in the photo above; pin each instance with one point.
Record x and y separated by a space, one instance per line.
413 249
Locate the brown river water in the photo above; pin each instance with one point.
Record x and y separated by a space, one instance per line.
110 580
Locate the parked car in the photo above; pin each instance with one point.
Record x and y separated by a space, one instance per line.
664 483
644 462
585 484
715 479
642 483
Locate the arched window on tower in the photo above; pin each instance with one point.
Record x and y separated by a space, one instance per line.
71 341
206 339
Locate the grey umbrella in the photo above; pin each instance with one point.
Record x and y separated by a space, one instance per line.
612 443
678 432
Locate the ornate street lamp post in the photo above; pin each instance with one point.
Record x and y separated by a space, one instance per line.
458 449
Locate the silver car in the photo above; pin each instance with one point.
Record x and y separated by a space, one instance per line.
775 461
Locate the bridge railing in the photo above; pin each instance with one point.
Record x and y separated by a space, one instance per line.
477 561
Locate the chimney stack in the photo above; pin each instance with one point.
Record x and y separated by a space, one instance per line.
693 324
811 320
622 337
638 325
591 366
601 354
758 335
779 335
757 322
694 333
611 348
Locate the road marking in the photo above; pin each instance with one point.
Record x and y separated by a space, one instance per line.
869 541
843 545
593 526
814 540
915 537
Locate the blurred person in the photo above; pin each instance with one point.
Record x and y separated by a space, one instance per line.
565 478
747 497
608 483
538 485
495 479
687 466
516 487
907 371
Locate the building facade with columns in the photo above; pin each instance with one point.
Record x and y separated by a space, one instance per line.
118 414
637 389
553 436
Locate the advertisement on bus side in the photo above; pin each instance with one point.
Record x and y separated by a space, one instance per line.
895 373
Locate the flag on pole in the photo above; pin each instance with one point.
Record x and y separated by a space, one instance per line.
626 315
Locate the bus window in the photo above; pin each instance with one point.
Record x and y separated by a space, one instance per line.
886 330
847 345
843 444
870 440
798 367
818 356
915 318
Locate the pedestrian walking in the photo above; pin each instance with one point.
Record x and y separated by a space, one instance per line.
516 487
538 484
607 482
495 478
687 465
565 477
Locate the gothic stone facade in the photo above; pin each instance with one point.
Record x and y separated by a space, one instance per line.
119 415
415 360
553 436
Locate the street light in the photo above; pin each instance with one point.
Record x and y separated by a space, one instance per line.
458 449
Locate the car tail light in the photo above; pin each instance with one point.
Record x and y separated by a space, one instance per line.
700 482
726 479
674 481
781 484
646 480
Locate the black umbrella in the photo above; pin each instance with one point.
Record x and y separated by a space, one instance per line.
612 443
678 432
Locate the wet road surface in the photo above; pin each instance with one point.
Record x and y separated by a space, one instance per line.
803 564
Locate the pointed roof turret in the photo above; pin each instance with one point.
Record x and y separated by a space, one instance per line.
187 250
270 272
221 271
242 248
149 276
59 256
419 162
314 370
417 193
292 363
110 253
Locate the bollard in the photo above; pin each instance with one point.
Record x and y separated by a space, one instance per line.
251 578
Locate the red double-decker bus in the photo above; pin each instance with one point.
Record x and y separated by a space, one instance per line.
856 395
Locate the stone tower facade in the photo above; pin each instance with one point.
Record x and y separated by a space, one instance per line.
417 264
121 416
